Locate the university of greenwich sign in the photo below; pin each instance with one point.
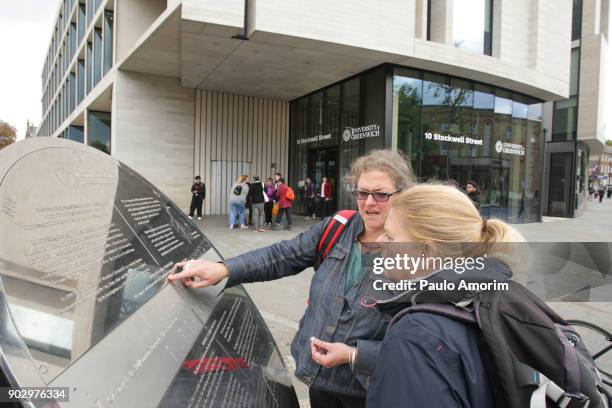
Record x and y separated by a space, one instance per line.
358 133
509 148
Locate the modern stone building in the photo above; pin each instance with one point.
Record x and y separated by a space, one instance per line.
576 128
223 88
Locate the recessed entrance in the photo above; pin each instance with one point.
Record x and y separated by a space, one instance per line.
324 163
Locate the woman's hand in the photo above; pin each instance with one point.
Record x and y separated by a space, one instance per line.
207 273
329 354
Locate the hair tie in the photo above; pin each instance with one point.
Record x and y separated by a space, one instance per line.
484 225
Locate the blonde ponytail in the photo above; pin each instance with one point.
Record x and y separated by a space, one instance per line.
496 231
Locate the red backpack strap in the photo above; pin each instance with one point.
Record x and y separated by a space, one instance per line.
333 230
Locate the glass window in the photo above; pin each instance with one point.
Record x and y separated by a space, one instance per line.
80 80
81 21
517 184
99 130
108 40
73 40
316 114
71 92
97 56
484 124
436 118
462 153
76 133
351 113
533 151
331 119
577 20
565 120
90 11
472 25
574 71
407 97
89 74
448 127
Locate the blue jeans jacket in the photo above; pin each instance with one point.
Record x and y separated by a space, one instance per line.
332 315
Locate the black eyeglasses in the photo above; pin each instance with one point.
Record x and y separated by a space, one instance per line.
379 197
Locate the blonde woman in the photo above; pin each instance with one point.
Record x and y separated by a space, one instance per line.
428 360
336 346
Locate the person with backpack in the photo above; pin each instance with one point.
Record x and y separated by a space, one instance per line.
258 197
237 201
337 344
470 348
285 196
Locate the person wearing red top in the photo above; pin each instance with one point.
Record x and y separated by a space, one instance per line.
284 205
325 194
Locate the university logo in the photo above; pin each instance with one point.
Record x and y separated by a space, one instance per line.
363 132
346 135
499 146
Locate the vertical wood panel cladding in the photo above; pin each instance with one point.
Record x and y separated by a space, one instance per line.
243 132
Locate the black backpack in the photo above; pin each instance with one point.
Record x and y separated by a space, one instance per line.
521 338
238 190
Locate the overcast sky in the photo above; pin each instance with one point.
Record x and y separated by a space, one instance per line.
25 31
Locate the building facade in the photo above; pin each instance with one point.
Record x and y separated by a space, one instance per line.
601 169
576 128
223 88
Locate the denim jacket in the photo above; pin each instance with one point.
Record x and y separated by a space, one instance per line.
332 315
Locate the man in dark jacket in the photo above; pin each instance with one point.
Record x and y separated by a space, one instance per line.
310 192
473 192
198 194
257 198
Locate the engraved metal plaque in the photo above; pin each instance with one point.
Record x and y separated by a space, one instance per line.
85 246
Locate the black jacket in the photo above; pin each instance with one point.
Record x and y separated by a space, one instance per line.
256 193
199 191
428 360
475 197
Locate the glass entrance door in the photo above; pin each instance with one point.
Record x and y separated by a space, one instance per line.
324 163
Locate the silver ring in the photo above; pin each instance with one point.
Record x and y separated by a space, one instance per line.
188 266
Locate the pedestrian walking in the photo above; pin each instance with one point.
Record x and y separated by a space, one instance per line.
198 194
602 192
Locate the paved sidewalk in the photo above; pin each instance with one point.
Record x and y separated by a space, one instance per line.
283 302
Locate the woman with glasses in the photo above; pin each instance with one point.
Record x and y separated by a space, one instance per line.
338 340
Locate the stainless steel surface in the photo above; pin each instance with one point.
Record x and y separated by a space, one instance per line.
85 246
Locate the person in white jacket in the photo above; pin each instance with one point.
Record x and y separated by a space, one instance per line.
237 201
